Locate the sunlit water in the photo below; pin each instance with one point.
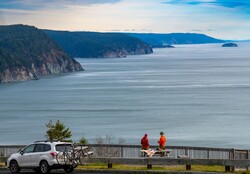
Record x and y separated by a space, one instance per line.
199 95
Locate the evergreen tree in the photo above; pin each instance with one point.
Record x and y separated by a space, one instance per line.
83 140
57 131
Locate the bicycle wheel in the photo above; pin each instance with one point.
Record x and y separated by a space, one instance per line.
88 152
60 157
81 157
69 158
85 155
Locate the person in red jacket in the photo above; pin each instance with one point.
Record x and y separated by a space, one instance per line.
162 141
145 142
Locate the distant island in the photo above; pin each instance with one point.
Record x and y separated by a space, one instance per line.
230 45
27 53
99 45
166 46
159 40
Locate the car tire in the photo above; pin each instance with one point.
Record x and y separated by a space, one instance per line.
14 167
44 167
68 169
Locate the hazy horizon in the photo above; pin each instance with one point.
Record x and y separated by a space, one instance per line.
222 19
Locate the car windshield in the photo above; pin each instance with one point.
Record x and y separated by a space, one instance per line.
64 147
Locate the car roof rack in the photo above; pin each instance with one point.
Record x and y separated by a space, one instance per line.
54 140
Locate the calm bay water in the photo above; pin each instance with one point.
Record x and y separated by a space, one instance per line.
199 95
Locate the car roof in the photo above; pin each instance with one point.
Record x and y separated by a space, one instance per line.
49 142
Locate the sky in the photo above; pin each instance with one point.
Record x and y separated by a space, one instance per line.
223 19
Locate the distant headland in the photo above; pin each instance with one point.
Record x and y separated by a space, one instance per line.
159 40
99 45
28 52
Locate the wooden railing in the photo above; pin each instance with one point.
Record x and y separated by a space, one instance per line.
7 150
131 154
131 151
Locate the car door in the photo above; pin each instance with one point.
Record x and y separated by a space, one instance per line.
38 152
24 160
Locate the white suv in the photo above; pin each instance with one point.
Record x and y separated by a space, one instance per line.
40 156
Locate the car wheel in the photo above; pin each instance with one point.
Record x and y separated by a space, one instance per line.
14 167
44 167
69 169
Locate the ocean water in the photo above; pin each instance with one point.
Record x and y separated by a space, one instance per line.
199 95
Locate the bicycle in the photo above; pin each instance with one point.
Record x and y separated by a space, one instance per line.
74 155
83 153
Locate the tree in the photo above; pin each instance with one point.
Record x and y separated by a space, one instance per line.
83 141
106 150
57 131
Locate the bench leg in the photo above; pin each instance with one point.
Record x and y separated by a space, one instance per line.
162 154
167 154
188 167
144 154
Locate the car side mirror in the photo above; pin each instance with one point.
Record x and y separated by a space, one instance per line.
21 152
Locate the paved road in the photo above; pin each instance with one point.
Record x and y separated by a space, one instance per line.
52 172
110 172
30 172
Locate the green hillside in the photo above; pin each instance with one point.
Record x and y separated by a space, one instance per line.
94 44
27 52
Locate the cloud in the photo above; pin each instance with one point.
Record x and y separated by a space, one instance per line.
241 4
199 30
39 4
196 30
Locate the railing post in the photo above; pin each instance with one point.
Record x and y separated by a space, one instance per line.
233 168
208 153
186 151
121 151
227 168
247 168
232 154
149 166
188 167
4 151
110 165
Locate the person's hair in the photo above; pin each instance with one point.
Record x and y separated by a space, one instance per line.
161 133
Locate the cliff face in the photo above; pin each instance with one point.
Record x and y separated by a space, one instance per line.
121 52
101 45
27 53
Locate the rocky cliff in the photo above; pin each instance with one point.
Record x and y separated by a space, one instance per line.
27 53
100 45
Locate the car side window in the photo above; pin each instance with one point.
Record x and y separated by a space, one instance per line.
46 148
29 149
39 148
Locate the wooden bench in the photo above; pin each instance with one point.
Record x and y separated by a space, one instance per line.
152 152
